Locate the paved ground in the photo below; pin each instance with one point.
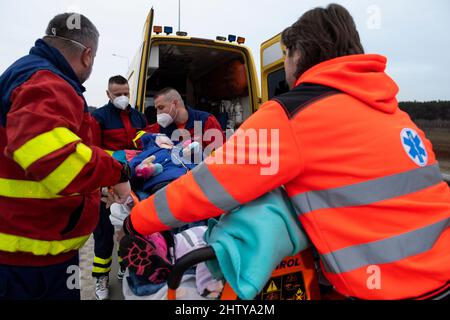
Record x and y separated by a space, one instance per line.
88 282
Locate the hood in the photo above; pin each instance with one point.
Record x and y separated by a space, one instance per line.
361 76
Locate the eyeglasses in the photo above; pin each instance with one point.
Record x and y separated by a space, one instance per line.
53 35
70 40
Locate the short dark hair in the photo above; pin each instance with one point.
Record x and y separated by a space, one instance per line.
164 92
72 26
117 80
322 34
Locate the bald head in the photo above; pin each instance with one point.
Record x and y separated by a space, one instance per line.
169 94
169 101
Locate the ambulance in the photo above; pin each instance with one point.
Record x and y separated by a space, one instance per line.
217 76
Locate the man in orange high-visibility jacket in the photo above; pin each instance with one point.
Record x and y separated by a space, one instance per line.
362 176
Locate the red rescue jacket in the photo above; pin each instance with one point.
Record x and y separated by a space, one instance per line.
118 128
50 172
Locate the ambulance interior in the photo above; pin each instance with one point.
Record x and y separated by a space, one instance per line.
209 79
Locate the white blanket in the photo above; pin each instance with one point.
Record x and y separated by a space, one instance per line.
186 291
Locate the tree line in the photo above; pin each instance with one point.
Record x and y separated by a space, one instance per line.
431 110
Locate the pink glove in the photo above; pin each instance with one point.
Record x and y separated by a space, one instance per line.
148 169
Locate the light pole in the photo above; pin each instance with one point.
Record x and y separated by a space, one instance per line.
179 15
123 57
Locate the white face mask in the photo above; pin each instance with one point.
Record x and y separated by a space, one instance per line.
164 119
121 102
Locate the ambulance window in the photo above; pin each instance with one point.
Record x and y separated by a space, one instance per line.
276 82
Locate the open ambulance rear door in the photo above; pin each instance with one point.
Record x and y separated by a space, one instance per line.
273 78
137 75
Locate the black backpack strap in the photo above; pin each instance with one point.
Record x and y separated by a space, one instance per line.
303 96
169 236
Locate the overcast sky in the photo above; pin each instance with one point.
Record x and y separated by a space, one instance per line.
413 34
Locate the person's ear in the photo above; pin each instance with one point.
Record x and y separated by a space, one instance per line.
87 57
108 95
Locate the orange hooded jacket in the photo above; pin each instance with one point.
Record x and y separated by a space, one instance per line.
362 176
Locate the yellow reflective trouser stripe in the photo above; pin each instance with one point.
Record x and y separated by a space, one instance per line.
100 270
54 183
109 152
138 136
102 261
119 259
43 145
11 243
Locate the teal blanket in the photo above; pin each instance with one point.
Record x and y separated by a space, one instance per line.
252 240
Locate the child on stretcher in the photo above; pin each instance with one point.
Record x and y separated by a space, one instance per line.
150 259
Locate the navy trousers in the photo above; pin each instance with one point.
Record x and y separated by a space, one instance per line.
103 243
55 282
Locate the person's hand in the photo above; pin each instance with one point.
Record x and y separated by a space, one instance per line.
121 192
120 235
107 197
164 141
117 194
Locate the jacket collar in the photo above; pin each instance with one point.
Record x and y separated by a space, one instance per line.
110 105
191 118
45 51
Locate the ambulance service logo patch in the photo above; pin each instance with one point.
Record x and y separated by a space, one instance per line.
414 147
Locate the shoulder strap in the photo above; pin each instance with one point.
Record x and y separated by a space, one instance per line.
303 96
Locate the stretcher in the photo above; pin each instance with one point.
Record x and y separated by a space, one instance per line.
294 279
